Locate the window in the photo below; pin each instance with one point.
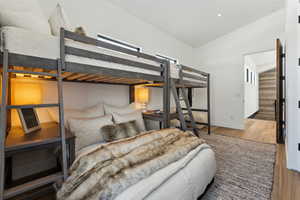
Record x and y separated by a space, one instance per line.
172 60
118 43
251 78
247 76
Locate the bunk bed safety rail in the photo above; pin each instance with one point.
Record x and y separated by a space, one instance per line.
190 69
155 74
193 76
92 41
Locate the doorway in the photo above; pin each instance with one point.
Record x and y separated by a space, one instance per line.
264 88
260 85
260 94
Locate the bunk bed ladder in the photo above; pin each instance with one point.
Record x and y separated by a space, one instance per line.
183 98
43 181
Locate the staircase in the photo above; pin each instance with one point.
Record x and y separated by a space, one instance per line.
267 95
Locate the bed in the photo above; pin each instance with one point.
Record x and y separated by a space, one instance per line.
25 42
53 55
191 181
190 175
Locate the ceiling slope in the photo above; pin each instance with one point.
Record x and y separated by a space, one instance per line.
197 22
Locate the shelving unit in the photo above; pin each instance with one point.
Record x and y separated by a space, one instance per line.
5 108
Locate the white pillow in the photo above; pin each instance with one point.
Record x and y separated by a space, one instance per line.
91 112
110 109
59 19
88 131
25 20
133 116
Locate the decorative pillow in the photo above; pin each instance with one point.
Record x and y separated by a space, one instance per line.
59 19
131 128
25 20
88 131
133 116
113 132
109 109
119 131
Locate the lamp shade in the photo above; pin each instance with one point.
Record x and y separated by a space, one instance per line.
142 95
26 93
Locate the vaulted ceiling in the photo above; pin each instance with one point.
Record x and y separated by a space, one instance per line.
196 22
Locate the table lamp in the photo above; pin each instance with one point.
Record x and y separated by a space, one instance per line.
142 97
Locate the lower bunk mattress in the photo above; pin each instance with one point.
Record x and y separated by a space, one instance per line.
188 183
25 42
165 164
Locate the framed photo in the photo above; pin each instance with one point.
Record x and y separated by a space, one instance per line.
29 119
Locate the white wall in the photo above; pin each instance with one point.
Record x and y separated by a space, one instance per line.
264 68
100 16
224 58
251 86
264 61
293 83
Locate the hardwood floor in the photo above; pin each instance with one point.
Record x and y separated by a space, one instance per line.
256 130
286 182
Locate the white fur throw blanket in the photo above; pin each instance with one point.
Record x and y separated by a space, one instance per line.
109 169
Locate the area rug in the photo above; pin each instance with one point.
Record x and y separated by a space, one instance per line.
245 169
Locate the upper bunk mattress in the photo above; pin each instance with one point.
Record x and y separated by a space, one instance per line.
25 42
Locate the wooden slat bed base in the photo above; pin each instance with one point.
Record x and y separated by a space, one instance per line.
82 73
78 77
187 85
75 76
110 79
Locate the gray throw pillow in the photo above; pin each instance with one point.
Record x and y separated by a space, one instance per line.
119 131
131 128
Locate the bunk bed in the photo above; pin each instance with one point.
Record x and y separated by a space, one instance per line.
77 58
191 79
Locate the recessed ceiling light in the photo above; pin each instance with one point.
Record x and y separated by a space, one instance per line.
219 15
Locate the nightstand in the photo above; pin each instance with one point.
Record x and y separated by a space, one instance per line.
45 138
158 116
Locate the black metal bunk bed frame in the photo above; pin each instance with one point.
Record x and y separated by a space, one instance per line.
55 69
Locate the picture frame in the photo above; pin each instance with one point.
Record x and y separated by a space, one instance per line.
29 120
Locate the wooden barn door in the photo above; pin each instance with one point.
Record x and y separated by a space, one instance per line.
280 93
